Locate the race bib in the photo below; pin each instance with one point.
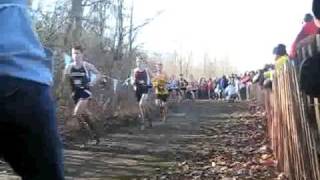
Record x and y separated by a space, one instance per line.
77 82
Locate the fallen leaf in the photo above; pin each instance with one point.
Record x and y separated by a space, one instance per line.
224 168
185 168
266 156
263 149
282 176
268 162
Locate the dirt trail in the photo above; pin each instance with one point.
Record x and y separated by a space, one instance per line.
200 140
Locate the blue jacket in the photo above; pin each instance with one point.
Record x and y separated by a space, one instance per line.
21 54
223 83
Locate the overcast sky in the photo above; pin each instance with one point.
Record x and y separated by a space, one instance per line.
245 31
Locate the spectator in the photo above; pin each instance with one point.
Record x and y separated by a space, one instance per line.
316 11
268 77
28 130
202 90
238 85
230 92
242 86
309 28
223 82
281 57
245 78
217 91
210 88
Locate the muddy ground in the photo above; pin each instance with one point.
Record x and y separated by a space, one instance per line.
200 140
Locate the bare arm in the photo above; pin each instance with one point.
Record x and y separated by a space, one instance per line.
132 77
93 69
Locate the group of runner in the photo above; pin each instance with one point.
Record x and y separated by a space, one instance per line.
158 84
78 73
29 135
147 83
215 88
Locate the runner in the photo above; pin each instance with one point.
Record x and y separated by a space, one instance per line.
141 84
159 82
79 74
191 91
183 83
173 88
195 89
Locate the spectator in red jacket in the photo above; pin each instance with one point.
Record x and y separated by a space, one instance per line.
309 28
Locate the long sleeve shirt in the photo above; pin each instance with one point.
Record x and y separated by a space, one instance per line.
21 53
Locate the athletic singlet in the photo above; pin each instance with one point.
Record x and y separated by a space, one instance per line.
141 77
79 78
160 84
183 83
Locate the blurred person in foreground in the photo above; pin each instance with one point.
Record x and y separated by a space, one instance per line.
28 131
316 11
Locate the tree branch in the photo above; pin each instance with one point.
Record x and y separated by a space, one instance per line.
146 22
88 3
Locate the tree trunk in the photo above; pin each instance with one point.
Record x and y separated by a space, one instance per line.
118 53
76 15
130 32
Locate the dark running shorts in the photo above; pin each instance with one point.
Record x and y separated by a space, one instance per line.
141 90
162 97
81 94
173 89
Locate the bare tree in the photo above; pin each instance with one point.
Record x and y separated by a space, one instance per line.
131 31
76 16
188 64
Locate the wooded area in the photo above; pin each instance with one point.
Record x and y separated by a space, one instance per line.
107 30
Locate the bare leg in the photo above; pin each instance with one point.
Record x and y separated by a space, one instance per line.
142 109
78 110
81 111
92 129
142 116
81 107
193 95
165 110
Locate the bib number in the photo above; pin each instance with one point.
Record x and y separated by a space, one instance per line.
77 82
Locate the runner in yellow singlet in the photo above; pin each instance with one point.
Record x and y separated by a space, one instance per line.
159 83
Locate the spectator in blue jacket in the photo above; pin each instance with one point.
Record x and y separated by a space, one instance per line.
28 129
